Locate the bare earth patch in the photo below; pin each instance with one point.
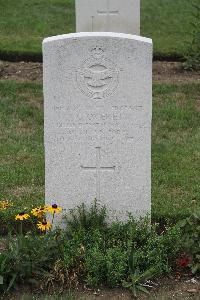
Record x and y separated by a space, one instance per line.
168 288
173 72
22 71
169 72
163 289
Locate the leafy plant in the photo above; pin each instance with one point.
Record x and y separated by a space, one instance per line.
116 265
89 251
191 237
83 218
27 258
151 254
95 266
193 53
136 280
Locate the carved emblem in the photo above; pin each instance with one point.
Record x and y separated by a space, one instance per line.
97 78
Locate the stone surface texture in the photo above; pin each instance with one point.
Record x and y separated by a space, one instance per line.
98 110
108 15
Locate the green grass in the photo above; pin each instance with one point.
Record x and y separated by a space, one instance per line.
21 146
24 24
176 147
168 23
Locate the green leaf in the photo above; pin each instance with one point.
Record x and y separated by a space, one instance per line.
195 268
126 284
134 291
143 289
11 282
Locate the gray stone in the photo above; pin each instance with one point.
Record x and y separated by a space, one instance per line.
108 15
98 102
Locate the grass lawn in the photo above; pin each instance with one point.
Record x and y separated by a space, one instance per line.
24 24
176 147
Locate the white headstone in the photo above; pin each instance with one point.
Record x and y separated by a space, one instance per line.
108 15
98 102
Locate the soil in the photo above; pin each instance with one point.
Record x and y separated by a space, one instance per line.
173 72
21 71
166 72
162 289
168 288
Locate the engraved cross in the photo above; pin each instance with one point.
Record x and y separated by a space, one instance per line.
98 168
108 12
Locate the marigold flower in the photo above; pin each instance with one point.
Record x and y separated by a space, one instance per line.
44 225
5 204
54 209
39 211
22 216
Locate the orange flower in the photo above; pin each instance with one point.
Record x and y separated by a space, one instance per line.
39 211
5 204
54 209
44 225
22 216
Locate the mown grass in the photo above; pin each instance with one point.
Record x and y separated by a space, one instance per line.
24 24
21 147
175 147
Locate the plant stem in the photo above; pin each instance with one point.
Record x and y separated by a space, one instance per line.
21 232
53 219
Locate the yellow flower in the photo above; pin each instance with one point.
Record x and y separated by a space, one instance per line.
22 216
54 209
5 204
44 225
39 211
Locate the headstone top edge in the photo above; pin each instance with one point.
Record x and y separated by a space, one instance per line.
97 34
